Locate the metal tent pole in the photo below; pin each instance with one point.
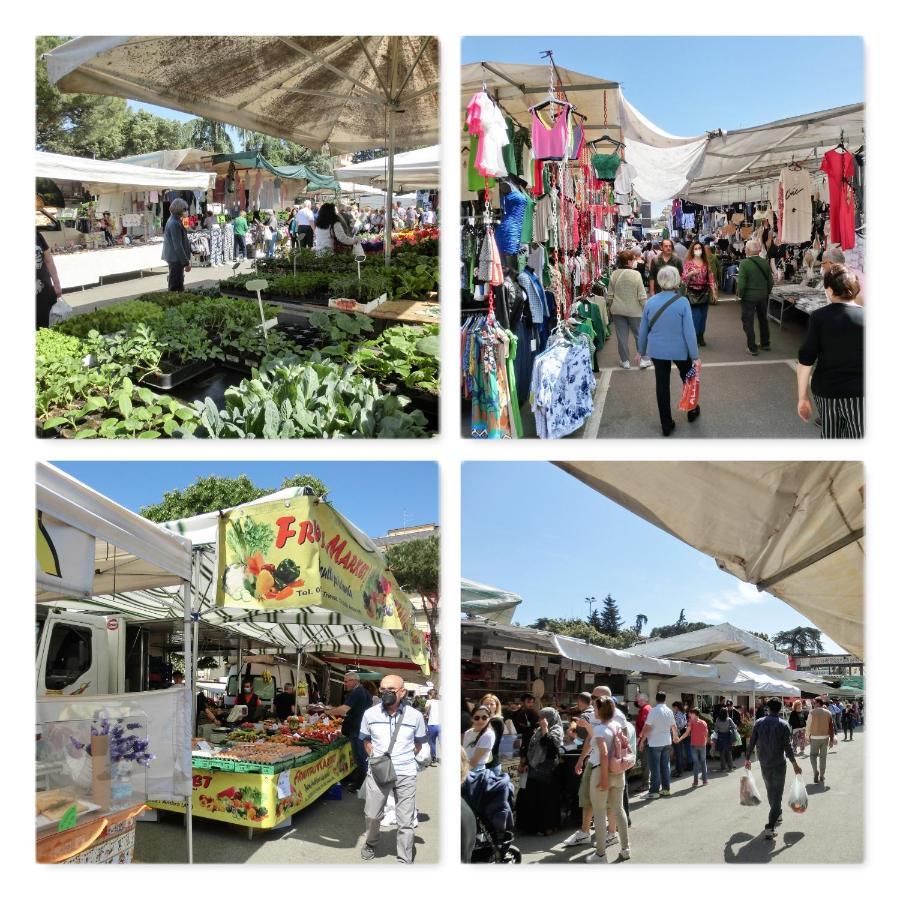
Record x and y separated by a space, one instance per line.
189 686
389 218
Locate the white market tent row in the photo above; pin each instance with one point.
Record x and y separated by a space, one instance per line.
493 604
738 165
349 92
151 556
794 529
706 644
415 169
102 176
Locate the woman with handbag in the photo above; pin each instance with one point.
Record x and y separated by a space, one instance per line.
700 287
608 778
538 803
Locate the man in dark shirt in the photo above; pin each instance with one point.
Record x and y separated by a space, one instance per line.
525 721
356 702
284 702
667 257
771 738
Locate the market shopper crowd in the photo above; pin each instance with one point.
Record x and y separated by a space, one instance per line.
660 293
579 770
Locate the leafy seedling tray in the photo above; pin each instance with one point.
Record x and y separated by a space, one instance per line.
172 375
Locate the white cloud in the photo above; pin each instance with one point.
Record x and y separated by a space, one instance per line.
717 606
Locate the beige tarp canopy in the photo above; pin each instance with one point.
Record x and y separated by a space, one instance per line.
794 529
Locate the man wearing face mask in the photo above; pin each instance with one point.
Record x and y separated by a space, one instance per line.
392 728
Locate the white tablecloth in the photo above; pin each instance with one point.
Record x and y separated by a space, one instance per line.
88 266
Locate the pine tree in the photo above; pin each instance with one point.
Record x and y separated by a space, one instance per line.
610 621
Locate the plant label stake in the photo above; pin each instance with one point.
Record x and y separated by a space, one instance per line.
259 285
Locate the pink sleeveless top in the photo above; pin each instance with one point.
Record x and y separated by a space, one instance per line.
550 143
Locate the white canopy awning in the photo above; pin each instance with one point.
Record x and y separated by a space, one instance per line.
186 159
415 169
111 176
742 678
709 643
130 553
794 529
493 604
739 165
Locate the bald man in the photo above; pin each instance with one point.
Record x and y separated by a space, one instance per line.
392 720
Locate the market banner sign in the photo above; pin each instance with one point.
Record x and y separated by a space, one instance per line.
65 557
296 553
247 798
415 646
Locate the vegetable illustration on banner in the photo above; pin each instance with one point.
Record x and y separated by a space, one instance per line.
300 552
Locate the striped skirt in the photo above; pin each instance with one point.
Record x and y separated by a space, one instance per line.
842 417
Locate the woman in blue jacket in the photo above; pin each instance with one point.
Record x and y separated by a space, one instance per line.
667 335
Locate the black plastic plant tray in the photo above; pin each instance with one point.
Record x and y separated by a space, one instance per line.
176 375
213 384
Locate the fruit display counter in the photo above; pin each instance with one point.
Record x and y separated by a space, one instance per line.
261 775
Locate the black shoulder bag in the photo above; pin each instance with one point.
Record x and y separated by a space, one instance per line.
382 767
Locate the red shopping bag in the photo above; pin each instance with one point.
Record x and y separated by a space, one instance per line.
690 393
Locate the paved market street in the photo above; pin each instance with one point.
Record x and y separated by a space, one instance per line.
708 824
329 831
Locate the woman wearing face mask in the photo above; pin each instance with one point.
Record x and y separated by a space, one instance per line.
700 287
834 345
626 295
478 741
248 698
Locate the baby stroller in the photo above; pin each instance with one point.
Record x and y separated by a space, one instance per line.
489 796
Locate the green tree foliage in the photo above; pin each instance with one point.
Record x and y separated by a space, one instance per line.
207 134
762 636
681 626
639 622
799 641
216 492
583 630
610 621
417 567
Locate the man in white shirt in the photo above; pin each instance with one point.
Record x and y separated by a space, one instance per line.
379 725
657 734
305 220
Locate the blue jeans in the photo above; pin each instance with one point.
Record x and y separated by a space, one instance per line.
659 768
270 246
683 756
434 732
698 755
773 779
698 314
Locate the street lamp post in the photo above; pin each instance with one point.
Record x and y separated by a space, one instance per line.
590 602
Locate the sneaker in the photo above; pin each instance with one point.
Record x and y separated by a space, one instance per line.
696 782
646 363
625 853
595 857
625 364
367 851
650 796
769 833
665 792
693 414
611 839
580 837
753 352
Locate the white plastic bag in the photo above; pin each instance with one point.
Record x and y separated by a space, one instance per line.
799 799
749 792
60 311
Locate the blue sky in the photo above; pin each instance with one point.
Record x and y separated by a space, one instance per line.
375 496
687 85
535 530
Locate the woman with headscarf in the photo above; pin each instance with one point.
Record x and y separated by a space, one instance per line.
538 803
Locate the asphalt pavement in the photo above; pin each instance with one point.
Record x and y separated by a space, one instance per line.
328 831
708 824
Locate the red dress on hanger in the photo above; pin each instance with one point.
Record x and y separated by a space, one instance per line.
840 168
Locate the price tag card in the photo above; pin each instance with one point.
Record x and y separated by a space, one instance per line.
284 784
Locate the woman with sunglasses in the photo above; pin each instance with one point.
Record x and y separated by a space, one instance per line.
478 741
492 702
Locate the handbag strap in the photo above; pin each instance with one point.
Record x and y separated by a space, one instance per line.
400 716
660 311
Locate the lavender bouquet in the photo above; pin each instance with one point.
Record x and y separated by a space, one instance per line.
124 745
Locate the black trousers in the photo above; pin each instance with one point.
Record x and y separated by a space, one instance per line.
176 277
663 367
755 310
240 246
305 234
773 778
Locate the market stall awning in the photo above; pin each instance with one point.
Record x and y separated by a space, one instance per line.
253 159
742 678
127 551
111 176
415 169
739 165
313 90
708 643
794 529
663 162
625 660
186 159
493 604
